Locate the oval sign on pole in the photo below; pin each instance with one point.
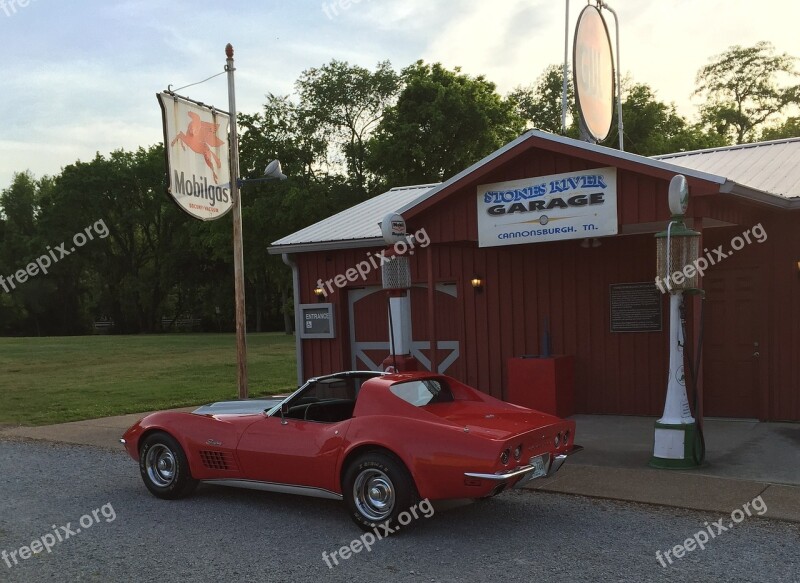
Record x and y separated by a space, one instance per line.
393 228
593 73
678 195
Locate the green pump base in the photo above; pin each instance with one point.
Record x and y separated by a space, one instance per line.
673 447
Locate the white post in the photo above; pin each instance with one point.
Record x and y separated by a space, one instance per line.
400 314
676 407
564 80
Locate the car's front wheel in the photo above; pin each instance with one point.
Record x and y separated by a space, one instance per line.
164 467
377 489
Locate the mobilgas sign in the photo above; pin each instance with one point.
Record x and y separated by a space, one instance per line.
198 163
575 205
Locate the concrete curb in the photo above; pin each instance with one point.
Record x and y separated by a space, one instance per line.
676 489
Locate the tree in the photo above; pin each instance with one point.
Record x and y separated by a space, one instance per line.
788 129
653 127
284 130
443 122
742 90
21 243
345 103
129 274
541 104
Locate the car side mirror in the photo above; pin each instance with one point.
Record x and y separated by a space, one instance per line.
284 413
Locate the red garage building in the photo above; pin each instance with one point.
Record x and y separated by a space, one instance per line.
566 286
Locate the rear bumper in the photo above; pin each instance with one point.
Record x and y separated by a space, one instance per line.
559 460
524 474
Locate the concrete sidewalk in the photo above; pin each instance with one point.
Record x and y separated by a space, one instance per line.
745 459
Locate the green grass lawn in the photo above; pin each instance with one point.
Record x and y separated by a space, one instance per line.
53 380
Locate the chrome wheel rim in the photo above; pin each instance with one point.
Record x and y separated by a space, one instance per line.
161 465
374 494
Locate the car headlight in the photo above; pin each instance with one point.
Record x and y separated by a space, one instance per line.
518 452
504 456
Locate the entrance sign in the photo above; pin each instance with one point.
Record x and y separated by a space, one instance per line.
574 205
317 321
593 73
198 161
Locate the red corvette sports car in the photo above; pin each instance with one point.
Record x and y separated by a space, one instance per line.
380 442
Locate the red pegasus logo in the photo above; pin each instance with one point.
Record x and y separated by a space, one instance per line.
201 136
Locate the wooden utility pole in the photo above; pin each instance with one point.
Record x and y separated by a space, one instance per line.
238 257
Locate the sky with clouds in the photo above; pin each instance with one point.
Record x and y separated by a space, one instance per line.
80 77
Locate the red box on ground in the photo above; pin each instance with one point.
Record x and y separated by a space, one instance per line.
544 384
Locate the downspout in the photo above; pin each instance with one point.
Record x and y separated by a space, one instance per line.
298 342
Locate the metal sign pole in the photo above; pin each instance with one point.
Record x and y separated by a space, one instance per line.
238 257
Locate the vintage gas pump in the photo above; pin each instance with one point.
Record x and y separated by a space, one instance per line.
396 278
677 437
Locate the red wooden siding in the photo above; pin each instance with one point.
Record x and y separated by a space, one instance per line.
619 373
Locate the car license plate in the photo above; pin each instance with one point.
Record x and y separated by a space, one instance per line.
539 464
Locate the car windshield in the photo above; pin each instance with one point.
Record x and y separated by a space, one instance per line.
330 398
422 392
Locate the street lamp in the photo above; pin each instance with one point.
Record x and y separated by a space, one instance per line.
272 172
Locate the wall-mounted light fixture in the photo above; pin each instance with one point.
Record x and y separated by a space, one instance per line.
319 292
477 283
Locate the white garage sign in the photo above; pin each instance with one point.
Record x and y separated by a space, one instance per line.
575 205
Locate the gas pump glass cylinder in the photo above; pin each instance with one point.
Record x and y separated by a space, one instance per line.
676 257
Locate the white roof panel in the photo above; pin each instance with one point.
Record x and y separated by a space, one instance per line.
772 167
360 222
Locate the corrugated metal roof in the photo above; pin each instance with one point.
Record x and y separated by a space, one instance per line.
772 167
359 223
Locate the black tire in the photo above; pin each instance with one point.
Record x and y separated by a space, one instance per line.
377 488
164 467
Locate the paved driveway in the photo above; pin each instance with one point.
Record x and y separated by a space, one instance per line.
234 535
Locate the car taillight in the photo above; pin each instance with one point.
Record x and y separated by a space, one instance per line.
518 452
566 437
557 439
504 456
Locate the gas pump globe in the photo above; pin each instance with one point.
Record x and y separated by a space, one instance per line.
676 432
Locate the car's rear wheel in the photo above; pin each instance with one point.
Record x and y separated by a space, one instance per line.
377 489
164 467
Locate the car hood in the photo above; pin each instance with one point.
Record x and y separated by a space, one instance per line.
244 407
